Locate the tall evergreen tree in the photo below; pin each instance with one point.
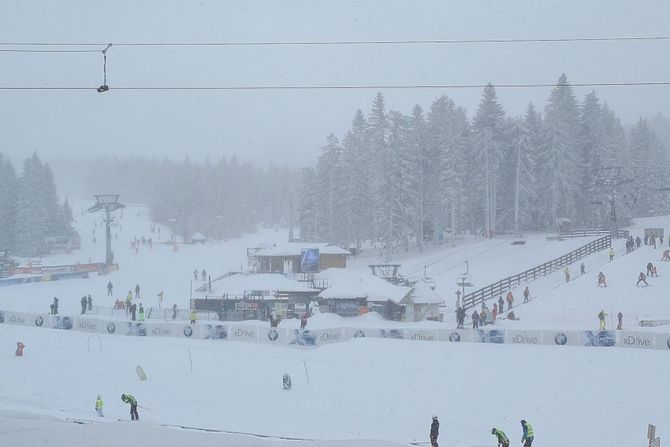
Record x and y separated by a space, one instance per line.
8 204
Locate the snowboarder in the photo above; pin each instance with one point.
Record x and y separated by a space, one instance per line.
641 278
510 300
475 319
601 318
620 318
582 268
130 399
54 307
193 317
434 431
611 253
460 317
137 291
174 311
566 271
666 255
528 434
526 294
601 280
503 440
141 313
303 322
98 405
83 305
89 301
109 288
501 303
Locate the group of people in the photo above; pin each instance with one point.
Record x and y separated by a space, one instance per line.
486 316
203 275
86 304
602 320
527 437
126 398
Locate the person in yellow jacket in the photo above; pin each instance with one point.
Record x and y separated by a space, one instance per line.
528 434
193 317
611 253
503 440
98 405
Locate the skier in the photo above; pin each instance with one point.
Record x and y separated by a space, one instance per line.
130 399
601 317
620 318
195 275
653 241
460 317
495 313
109 288
601 280
204 275
641 278
501 304
526 294
133 310
434 431
582 268
638 241
83 305
141 313
503 440
650 266
129 301
666 255
611 253
566 271
137 291
528 434
193 317
54 307
89 301
303 322
174 311
510 300
475 319
98 405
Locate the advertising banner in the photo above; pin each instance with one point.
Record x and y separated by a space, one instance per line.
354 332
24 319
273 335
302 338
523 337
488 336
90 325
160 329
132 328
184 330
244 333
561 338
61 322
456 335
309 260
630 339
662 341
326 336
421 335
215 331
598 338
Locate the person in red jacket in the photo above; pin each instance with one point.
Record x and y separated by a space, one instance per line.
495 312
526 294
510 300
303 322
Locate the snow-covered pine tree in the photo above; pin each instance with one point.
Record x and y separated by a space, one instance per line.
523 149
591 140
415 179
33 213
650 165
308 214
558 155
9 184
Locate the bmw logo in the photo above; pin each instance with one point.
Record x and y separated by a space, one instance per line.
359 333
39 321
111 328
454 336
188 331
560 339
273 335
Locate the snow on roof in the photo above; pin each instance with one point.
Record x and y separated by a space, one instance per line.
295 248
198 237
241 283
422 293
366 286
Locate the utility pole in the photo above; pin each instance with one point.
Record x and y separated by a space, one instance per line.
608 180
108 203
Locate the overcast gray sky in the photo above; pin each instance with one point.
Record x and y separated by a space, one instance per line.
287 127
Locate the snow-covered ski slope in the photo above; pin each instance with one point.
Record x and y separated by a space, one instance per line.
363 389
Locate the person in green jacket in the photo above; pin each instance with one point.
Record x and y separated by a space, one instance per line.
141 318
130 399
503 440
98 405
528 434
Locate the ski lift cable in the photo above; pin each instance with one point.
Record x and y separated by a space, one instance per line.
470 258
540 40
345 87
441 258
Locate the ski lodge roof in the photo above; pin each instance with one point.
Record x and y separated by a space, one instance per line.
422 293
242 283
367 286
295 249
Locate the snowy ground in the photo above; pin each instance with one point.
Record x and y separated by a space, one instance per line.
359 390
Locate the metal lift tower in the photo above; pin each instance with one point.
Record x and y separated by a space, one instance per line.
109 203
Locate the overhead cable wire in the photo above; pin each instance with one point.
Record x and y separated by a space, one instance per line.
348 42
351 87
